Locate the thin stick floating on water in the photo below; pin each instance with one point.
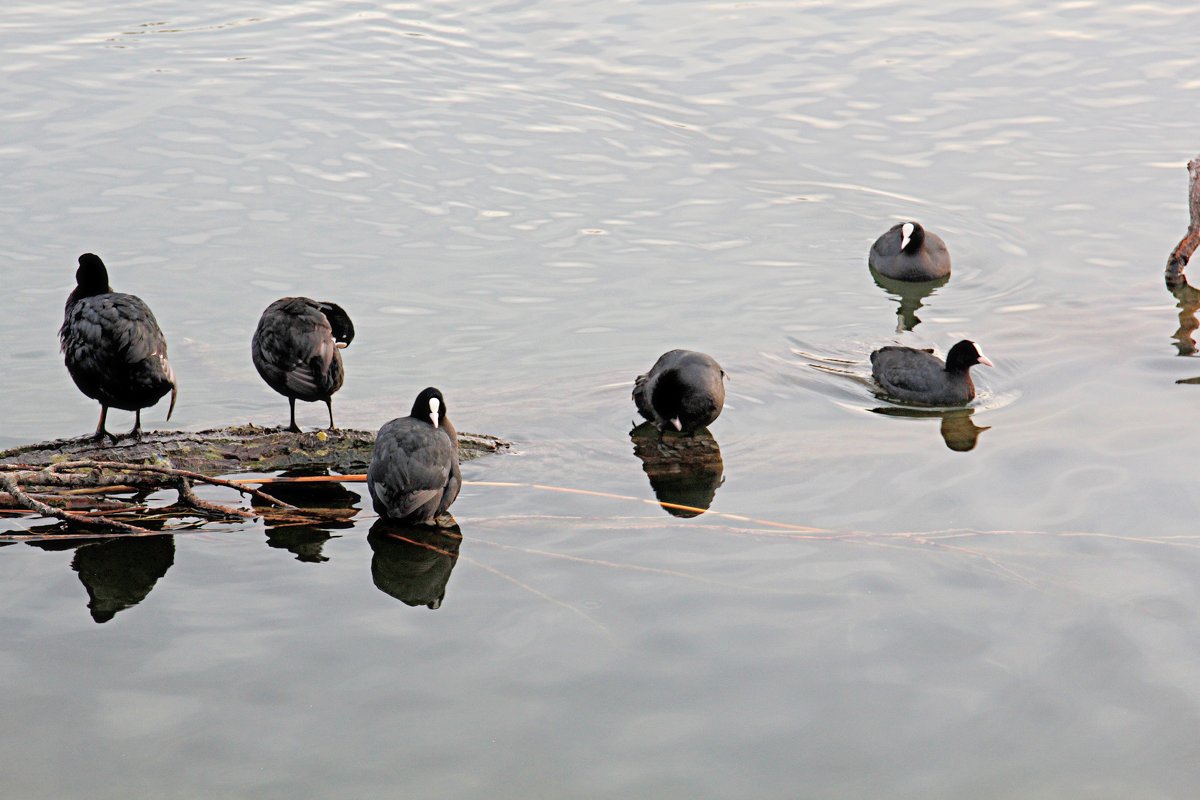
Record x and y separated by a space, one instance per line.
361 478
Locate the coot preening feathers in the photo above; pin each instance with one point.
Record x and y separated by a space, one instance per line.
908 252
296 349
684 390
414 474
919 376
114 349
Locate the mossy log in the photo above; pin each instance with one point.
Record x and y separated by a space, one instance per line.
243 448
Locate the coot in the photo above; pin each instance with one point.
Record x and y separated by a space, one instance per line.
908 252
114 349
684 390
919 376
297 350
414 474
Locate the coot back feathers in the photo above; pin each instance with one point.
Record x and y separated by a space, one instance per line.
113 347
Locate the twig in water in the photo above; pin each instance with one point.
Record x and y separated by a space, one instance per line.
10 485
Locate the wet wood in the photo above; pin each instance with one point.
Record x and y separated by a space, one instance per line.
1187 245
62 479
243 448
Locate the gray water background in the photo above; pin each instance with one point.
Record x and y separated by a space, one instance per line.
524 203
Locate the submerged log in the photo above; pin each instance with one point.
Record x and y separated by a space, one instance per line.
243 448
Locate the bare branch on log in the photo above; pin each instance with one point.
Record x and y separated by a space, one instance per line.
10 485
177 473
189 498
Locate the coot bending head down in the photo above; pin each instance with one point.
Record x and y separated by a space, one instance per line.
684 390
297 350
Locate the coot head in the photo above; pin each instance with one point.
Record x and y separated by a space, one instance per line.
92 277
912 236
430 407
685 405
965 355
339 322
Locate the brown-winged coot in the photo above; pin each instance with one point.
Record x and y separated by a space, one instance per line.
297 350
114 349
908 252
919 376
414 474
684 390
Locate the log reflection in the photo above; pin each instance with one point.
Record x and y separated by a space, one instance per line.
684 470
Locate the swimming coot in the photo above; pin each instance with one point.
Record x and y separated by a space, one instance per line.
919 376
296 349
684 390
908 252
414 474
114 349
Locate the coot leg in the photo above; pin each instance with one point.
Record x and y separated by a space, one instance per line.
329 403
136 433
294 428
100 432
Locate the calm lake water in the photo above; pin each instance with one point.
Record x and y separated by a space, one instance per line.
524 203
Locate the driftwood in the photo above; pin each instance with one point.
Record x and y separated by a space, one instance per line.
1187 245
244 448
66 479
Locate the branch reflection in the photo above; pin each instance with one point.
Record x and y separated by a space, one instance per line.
307 541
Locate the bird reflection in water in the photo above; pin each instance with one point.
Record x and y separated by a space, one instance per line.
959 431
685 471
911 296
412 563
116 573
306 541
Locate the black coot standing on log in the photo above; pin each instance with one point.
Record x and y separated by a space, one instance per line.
908 252
114 349
684 390
296 349
414 474
919 376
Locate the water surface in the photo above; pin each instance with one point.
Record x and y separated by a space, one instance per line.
525 203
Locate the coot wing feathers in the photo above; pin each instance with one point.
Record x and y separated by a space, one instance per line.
641 395
888 245
140 337
906 369
115 350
